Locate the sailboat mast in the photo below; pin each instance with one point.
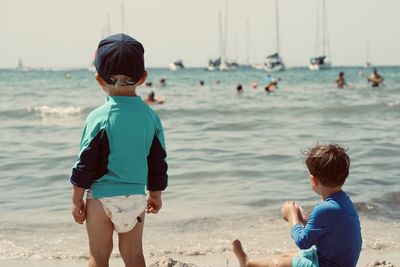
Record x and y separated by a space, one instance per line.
247 41
225 35
324 38
317 37
220 37
277 26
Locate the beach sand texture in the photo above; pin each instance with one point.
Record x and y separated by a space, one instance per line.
199 261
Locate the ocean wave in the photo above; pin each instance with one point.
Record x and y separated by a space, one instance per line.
393 103
385 207
57 110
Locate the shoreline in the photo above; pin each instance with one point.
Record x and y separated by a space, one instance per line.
223 260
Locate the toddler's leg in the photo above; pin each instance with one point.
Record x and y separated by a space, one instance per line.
100 231
284 260
130 246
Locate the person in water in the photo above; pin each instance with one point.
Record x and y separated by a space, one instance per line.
151 99
375 78
239 89
271 86
331 234
340 81
163 82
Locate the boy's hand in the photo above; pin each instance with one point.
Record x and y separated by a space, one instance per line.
303 216
78 211
154 202
290 213
288 208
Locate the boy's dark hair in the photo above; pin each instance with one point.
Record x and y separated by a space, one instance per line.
329 163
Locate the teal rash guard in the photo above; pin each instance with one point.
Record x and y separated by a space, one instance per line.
122 150
334 228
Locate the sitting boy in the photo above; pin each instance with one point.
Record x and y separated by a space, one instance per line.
331 235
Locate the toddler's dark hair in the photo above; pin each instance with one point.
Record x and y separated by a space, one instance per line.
328 162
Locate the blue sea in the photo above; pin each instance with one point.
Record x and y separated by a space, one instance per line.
233 158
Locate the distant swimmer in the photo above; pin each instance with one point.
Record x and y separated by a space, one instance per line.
375 79
201 83
340 81
163 82
271 86
254 85
149 84
239 88
152 99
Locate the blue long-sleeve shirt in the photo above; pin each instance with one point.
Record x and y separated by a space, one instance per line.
334 227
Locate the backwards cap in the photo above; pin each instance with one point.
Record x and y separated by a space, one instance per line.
119 54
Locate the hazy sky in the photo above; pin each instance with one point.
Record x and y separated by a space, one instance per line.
65 33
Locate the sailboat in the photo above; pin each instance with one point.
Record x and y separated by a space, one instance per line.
177 64
221 63
106 31
21 66
274 62
321 61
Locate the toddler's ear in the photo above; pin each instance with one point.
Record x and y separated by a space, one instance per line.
103 85
100 80
143 79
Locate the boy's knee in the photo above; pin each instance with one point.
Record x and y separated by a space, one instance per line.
101 257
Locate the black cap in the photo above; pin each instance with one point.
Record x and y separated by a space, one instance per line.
119 54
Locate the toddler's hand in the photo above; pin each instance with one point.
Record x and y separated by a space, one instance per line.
154 204
78 211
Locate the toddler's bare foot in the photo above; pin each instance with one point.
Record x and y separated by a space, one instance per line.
239 252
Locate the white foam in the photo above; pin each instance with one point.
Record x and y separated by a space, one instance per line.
57 110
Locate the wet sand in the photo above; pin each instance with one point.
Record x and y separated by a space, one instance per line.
224 260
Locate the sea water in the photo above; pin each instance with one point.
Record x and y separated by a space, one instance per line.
233 158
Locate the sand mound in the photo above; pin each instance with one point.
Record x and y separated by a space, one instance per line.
168 262
380 264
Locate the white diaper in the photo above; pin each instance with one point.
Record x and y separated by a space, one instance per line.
123 211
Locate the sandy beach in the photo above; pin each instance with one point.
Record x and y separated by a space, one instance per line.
223 260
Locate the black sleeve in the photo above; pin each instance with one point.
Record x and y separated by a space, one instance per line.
157 179
92 162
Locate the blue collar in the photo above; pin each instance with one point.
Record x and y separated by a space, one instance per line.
124 99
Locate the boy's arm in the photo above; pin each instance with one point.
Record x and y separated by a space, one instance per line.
157 179
92 160
78 205
306 236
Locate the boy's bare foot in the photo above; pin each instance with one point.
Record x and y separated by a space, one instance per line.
239 252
